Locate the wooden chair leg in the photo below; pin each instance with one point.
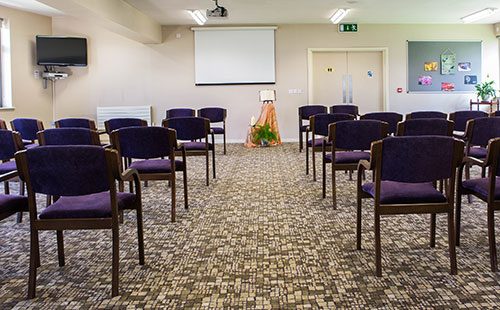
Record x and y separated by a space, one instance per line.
34 257
121 216
173 199
358 223
60 248
115 262
491 239
433 231
224 137
140 236
323 180
184 177
378 250
451 244
19 218
207 169
350 175
213 161
334 189
6 188
313 154
307 160
467 177
301 142
146 183
458 217
21 188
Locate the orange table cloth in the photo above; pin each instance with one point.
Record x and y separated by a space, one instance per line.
267 115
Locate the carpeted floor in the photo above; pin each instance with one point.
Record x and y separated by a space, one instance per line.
259 236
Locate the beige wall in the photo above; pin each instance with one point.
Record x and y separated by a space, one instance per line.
124 72
28 96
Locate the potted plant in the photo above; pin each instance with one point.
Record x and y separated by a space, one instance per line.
264 135
485 91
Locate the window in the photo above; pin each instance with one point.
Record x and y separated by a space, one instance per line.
5 65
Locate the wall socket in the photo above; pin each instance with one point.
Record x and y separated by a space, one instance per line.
295 91
37 74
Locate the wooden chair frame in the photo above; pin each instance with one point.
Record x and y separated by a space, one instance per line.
36 224
223 128
38 123
447 207
14 176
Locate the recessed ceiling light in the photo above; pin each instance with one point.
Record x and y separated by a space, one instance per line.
478 15
198 17
339 15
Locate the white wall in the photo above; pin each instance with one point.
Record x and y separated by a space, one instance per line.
124 72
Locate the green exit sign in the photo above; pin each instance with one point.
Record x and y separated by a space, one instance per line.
348 27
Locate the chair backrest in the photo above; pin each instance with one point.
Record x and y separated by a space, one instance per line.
391 118
460 118
493 157
306 111
117 123
10 143
214 114
496 113
27 127
189 128
357 135
319 122
426 114
345 108
425 127
68 136
144 142
75 123
3 125
68 170
417 159
180 112
479 131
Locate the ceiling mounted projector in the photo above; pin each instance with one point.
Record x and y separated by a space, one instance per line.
218 12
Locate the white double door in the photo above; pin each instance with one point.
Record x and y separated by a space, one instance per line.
348 77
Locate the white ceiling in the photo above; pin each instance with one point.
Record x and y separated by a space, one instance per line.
173 12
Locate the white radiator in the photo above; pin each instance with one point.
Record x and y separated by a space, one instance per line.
105 113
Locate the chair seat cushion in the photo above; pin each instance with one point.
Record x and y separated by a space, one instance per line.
317 142
196 146
8 167
480 186
156 166
477 152
88 206
348 157
13 203
218 130
402 193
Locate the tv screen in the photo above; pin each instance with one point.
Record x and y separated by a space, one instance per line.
61 51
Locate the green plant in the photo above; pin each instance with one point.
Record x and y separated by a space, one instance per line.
264 134
485 90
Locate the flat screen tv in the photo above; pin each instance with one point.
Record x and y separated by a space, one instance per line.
61 51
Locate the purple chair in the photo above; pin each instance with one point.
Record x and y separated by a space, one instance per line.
425 127
83 178
391 118
426 114
350 142
3 125
180 112
10 143
68 136
406 170
28 128
12 204
117 123
76 123
318 125
305 112
216 115
148 144
487 189
190 129
460 118
345 108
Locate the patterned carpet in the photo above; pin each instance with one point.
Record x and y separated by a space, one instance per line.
259 236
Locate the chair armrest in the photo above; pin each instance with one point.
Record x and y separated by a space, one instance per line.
473 161
108 146
9 175
364 165
129 175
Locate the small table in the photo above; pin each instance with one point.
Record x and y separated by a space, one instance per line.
491 103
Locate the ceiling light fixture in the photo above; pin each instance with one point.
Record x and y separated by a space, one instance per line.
478 15
339 15
198 17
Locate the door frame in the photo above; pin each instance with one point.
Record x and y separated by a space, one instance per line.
385 68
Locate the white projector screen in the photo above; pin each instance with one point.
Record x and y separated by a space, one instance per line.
234 55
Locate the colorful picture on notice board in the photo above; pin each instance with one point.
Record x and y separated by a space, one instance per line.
446 86
448 63
464 66
425 80
431 66
470 79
